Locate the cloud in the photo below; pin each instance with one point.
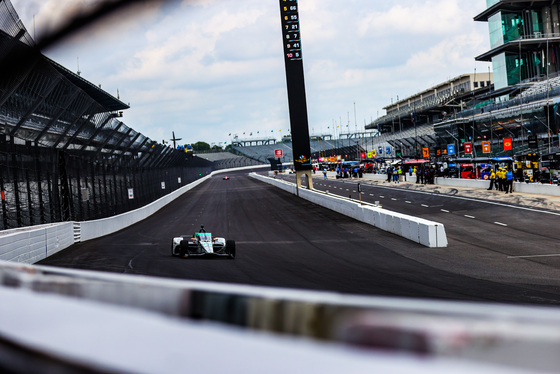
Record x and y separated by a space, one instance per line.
207 68
415 18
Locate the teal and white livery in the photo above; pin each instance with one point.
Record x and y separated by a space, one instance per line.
202 244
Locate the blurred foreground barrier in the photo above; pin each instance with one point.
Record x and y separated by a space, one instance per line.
428 233
511 338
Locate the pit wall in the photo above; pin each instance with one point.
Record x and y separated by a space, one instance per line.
428 233
32 244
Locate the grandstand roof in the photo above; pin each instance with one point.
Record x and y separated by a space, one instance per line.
106 100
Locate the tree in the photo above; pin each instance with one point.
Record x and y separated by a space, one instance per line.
201 147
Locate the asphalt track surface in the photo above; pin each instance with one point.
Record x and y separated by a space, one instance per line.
284 241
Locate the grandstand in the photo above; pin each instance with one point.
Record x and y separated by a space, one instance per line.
517 100
349 148
227 160
540 89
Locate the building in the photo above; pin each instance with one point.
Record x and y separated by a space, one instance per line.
481 115
434 104
524 40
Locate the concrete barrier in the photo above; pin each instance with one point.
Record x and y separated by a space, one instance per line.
105 226
36 243
428 233
94 229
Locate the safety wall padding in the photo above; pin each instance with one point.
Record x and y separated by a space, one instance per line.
105 226
428 233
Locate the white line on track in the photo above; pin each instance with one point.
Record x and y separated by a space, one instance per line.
475 200
382 196
445 211
424 205
466 215
532 256
408 202
501 224
371 194
393 199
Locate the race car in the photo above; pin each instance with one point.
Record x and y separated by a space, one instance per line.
226 178
202 244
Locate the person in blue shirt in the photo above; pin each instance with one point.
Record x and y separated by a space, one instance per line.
509 181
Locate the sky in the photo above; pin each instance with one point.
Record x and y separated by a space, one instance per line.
210 70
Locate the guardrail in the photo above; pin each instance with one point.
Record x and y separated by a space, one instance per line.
428 233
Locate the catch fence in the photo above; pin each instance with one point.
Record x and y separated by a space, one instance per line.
43 185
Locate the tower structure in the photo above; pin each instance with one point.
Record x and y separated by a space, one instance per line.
524 40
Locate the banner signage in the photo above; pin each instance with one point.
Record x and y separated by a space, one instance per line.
451 149
278 153
508 144
468 148
425 152
486 147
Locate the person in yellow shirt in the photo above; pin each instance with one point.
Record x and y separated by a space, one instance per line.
501 176
492 180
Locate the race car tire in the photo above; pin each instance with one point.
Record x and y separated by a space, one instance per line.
184 249
230 247
173 250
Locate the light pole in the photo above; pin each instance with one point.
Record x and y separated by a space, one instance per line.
548 133
415 136
547 88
